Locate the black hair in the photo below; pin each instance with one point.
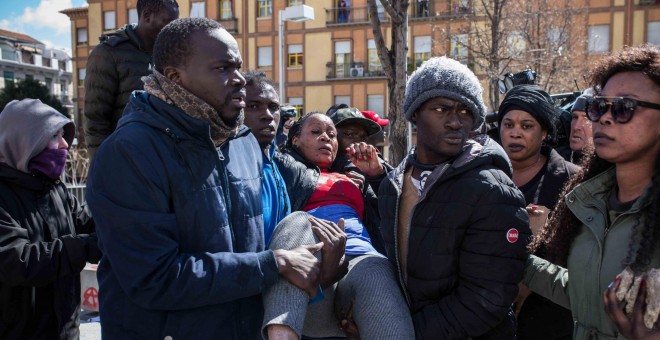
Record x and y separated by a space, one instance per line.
173 46
296 129
257 78
154 5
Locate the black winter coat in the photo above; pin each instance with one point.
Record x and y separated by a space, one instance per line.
43 247
301 177
114 70
463 263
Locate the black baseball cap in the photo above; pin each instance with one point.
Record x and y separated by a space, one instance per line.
352 115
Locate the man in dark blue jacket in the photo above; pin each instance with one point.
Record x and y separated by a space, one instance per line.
176 193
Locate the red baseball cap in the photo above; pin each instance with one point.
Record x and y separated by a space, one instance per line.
374 116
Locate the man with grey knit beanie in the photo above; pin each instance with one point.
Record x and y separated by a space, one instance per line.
457 224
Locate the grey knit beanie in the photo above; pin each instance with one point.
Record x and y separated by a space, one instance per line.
445 77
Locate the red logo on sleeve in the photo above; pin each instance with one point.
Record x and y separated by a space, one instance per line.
512 235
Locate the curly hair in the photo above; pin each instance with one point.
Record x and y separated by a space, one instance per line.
154 5
555 238
173 46
644 59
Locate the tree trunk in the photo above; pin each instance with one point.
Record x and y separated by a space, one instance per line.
394 61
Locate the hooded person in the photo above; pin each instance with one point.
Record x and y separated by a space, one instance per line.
46 237
527 120
453 222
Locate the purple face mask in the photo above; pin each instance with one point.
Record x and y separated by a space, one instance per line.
49 162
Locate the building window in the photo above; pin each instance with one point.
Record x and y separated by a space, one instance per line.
297 102
109 22
49 84
29 77
342 58
343 100
81 76
599 38
460 6
295 55
295 2
8 52
459 49
265 55
265 8
9 77
225 9
422 45
374 67
197 10
376 103
517 43
133 17
81 33
653 33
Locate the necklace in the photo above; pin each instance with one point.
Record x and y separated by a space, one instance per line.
529 166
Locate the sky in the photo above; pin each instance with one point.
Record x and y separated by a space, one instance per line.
40 19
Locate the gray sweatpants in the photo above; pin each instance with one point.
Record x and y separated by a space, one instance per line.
379 309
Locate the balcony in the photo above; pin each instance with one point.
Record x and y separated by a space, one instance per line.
351 15
351 70
435 10
230 24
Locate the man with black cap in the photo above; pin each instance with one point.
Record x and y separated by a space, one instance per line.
353 129
454 224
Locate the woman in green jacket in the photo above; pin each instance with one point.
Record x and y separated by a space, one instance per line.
607 218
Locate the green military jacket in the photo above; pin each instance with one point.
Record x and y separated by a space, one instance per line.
595 258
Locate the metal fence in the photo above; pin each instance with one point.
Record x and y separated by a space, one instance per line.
77 190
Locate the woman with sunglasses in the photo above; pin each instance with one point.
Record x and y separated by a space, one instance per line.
607 218
527 119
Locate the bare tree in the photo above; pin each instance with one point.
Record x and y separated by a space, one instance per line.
512 35
556 39
394 61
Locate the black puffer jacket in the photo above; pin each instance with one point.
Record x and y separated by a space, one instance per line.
114 69
43 247
463 266
301 177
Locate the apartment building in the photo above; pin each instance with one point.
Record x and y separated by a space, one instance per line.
332 59
23 57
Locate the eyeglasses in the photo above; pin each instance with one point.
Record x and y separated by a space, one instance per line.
622 108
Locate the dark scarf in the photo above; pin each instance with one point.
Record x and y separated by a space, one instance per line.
49 162
533 100
172 93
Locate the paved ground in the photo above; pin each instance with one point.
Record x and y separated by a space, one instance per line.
90 326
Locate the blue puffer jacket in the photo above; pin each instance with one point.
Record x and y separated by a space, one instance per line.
180 226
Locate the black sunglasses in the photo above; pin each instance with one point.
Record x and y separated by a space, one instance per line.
622 108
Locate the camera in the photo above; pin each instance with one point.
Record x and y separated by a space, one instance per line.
509 80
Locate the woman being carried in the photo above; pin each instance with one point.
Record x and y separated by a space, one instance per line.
369 290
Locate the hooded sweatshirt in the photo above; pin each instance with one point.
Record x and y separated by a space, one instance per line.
44 240
26 126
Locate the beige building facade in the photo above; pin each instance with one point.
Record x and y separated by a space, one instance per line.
332 59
